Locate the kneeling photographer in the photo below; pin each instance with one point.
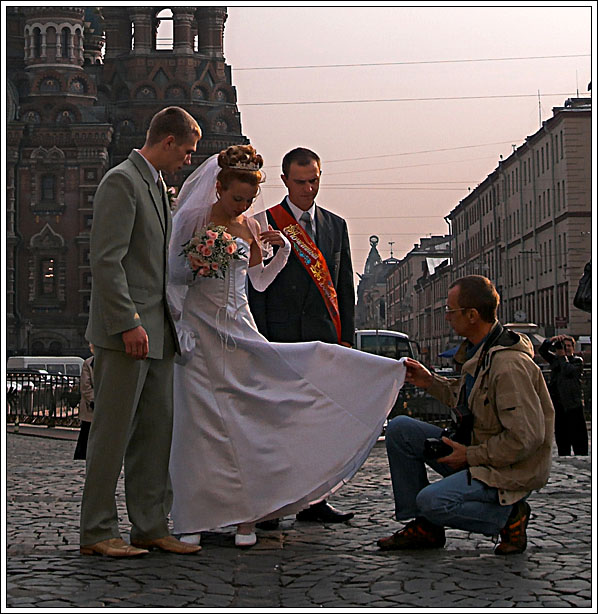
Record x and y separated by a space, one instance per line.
499 447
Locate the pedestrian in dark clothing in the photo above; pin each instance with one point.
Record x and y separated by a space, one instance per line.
85 406
570 430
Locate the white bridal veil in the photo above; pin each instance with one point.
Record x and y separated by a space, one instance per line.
194 206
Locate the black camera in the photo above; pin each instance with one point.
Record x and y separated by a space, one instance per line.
558 345
459 431
435 448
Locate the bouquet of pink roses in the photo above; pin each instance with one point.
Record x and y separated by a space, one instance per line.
210 251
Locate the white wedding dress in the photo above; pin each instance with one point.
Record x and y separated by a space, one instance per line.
264 429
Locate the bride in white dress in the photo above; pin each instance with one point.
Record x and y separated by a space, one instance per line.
261 429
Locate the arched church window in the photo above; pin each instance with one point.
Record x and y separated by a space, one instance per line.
65 39
164 25
37 43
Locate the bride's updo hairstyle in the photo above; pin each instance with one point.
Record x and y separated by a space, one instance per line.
240 163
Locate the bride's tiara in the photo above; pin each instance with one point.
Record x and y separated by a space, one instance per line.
245 166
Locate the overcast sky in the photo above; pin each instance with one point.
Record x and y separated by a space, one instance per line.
395 169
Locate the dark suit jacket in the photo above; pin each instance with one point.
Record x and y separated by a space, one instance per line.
292 308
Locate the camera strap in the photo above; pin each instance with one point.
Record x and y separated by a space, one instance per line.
490 342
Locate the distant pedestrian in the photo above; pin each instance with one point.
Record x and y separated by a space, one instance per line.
570 430
85 406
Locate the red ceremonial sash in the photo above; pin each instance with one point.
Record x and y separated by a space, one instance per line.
312 260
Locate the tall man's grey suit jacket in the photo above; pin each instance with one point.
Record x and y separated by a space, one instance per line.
292 308
129 240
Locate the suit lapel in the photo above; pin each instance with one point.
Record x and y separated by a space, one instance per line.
154 193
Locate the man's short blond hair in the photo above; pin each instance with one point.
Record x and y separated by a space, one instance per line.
172 121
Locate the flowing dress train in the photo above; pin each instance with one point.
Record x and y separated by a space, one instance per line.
261 428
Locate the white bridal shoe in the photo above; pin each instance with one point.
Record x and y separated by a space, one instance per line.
191 538
245 540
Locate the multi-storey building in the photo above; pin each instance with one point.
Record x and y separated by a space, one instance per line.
82 86
433 332
527 225
401 312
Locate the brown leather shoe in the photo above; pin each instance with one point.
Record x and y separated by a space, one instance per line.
513 537
167 544
417 534
112 547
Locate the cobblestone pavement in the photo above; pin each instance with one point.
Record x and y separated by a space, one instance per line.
302 565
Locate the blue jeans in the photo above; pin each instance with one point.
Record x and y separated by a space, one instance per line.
455 501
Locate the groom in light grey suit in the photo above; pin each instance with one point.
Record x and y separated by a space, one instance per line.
135 341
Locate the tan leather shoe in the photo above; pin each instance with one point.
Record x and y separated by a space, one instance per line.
112 547
168 544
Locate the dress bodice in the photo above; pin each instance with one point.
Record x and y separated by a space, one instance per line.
229 292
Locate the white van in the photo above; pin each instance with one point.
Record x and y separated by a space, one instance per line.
65 365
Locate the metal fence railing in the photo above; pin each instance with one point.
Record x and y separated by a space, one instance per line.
40 398
49 399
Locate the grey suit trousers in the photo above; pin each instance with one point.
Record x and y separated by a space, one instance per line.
132 422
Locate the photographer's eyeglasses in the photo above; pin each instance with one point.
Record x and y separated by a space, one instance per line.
448 310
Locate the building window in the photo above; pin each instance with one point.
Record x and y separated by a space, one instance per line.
542 152
558 196
164 30
66 42
37 43
48 277
48 188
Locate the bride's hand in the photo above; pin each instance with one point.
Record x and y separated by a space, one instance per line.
271 236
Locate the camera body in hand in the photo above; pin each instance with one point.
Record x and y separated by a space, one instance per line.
558 345
435 448
459 431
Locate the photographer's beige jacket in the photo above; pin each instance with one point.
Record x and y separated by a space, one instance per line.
513 417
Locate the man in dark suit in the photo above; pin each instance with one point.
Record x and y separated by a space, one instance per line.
298 306
135 341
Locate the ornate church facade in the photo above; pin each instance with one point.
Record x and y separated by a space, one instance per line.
82 86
